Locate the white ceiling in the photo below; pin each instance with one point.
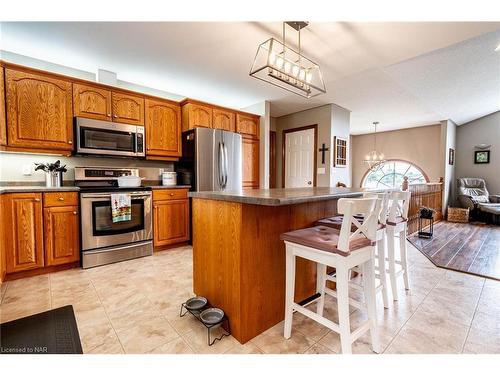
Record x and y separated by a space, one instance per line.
401 74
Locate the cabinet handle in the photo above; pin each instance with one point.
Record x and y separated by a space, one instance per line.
37 199
75 212
109 114
61 198
115 116
171 194
155 207
70 142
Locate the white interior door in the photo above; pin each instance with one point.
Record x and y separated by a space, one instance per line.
299 159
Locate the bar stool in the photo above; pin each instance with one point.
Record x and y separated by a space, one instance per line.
343 250
399 202
380 254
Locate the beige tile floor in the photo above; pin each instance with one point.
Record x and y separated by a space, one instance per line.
133 307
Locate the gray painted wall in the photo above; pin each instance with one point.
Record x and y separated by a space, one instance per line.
484 130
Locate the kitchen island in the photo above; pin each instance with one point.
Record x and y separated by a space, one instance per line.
238 257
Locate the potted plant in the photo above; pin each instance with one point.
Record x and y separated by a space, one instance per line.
53 173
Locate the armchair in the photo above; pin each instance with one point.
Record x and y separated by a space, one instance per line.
472 194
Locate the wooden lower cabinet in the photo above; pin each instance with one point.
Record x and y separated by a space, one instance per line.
170 217
61 235
24 233
39 233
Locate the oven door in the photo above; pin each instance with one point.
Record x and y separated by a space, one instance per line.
98 229
106 138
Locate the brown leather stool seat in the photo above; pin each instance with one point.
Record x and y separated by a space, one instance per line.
399 219
324 238
336 222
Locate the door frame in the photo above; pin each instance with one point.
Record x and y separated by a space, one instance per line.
283 151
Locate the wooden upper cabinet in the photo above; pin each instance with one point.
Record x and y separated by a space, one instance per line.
3 126
91 102
61 235
163 128
250 152
225 120
196 115
39 111
127 109
24 234
248 125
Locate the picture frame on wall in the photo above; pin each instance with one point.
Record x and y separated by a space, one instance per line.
451 156
482 157
340 152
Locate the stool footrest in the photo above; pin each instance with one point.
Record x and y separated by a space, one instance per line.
352 301
358 332
318 318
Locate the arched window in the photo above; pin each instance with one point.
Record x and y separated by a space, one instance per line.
391 174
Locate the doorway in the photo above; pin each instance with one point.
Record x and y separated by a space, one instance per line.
299 157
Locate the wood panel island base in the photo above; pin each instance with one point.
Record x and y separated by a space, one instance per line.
239 259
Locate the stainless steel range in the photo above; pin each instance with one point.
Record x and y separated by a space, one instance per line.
104 241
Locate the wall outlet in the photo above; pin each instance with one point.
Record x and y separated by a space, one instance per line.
27 169
321 170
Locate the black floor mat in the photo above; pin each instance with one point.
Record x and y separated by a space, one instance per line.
50 332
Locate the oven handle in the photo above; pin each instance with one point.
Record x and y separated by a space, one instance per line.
108 195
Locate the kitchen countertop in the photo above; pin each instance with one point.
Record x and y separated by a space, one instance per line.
42 189
157 187
35 189
280 197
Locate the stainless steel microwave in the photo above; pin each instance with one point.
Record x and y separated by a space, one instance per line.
108 138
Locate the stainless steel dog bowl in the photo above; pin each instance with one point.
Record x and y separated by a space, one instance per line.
196 303
212 315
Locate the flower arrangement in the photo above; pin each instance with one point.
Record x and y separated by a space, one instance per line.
51 167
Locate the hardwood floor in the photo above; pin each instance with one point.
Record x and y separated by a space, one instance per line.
471 248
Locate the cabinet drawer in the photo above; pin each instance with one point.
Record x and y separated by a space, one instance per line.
58 199
168 194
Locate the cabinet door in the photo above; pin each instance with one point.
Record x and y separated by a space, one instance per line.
128 109
3 126
163 128
248 125
250 162
62 241
39 111
24 235
225 120
91 102
196 116
171 222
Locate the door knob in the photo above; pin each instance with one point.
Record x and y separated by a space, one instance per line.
309 182
70 142
74 212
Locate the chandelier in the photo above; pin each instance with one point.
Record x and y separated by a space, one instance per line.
282 66
374 159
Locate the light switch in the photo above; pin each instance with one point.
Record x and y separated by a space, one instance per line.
321 170
26 169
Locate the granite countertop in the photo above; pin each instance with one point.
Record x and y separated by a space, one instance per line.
35 189
156 187
41 188
280 197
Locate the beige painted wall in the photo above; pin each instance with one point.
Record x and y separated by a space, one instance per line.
322 116
484 130
421 146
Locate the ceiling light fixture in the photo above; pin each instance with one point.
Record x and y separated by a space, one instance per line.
374 159
498 48
282 66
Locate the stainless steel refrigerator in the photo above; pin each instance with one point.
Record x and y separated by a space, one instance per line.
213 157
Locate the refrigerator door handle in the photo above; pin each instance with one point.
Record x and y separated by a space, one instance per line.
226 168
220 166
